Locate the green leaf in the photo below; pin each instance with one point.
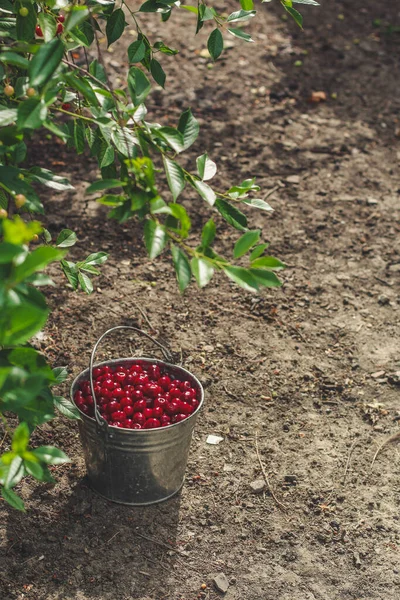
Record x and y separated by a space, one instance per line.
66 238
60 374
232 215
66 407
20 438
179 212
240 34
175 176
106 156
15 472
165 49
104 184
13 499
79 136
258 203
265 278
242 277
245 242
36 261
81 85
7 116
77 15
34 469
51 455
295 14
269 262
12 58
215 44
172 136
45 62
85 283
26 25
49 179
155 238
71 273
258 250
202 270
182 267
157 72
31 113
247 4
48 26
138 84
241 15
97 258
115 26
208 234
205 192
206 168
137 51
189 128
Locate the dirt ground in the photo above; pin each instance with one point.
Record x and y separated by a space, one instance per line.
312 370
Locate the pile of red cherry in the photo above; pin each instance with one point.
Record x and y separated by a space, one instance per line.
139 396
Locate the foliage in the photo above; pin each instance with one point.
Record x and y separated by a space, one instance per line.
42 88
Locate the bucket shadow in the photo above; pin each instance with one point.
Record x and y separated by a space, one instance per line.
90 547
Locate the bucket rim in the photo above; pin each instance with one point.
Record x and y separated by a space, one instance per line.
158 361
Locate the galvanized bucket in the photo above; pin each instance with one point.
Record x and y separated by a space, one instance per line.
135 466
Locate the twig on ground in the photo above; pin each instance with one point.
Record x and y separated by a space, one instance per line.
146 318
271 491
149 539
354 444
393 438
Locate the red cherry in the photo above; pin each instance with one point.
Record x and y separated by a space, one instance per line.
152 424
186 385
195 404
172 408
78 396
128 410
175 392
116 424
148 413
113 406
61 18
185 408
160 402
137 394
118 392
176 383
97 372
38 31
140 405
118 415
89 400
158 412
128 423
60 28
167 396
119 376
125 402
164 382
179 417
108 383
142 378
188 395
136 426
154 372
135 367
165 420
138 417
130 379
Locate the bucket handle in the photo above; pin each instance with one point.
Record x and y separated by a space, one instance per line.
102 423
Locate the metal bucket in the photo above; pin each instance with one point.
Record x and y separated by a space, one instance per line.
135 466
